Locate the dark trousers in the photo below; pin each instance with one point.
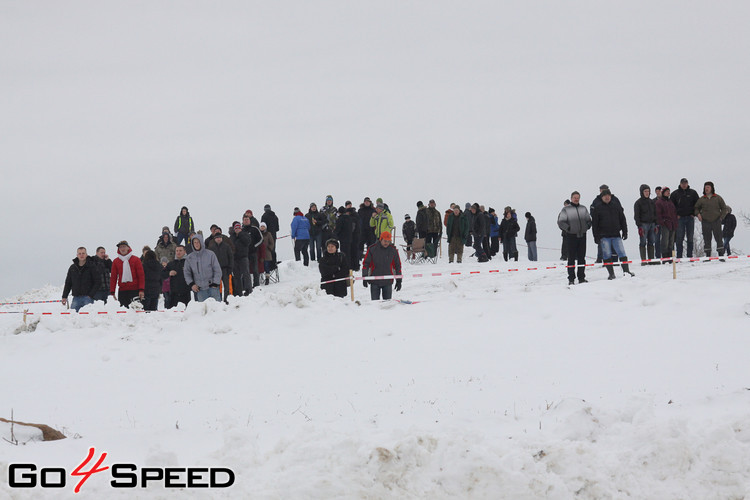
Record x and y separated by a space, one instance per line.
243 280
494 245
433 238
176 298
150 302
126 297
225 274
300 246
253 262
685 227
478 251
375 291
576 255
102 295
712 229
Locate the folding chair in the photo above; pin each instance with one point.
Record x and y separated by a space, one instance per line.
418 252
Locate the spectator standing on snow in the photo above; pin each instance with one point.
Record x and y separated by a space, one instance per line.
251 226
657 239
334 265
457 230
574 220
165 246
166 290
666 217
317 221
711 210
408 230
243 279
83 280
684 199
300 236
594 205
271 220
382 259
269 253
183 225
564 247
152 269
610 228
381 221
224 254
203 272
434 224
355 248
530 236
330 212
179 290
730 224
478 231
367 235
344 230
494 232
644 210
127 275
421 220
508 231
104 266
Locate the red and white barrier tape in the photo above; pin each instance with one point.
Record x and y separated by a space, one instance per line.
540 268
31 302
68 313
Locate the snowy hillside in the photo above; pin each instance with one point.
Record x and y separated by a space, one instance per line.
494 385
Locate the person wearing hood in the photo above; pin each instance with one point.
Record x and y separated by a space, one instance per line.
530 236
301 236
183 225
225 254
83 279
381 221
508 231
334 265
684 199
152 272
666 218
179 291
127 275
645 220
730 224
597 203
330 212
711 210
610 228
165 246
203 271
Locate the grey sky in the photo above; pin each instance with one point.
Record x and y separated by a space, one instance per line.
115 114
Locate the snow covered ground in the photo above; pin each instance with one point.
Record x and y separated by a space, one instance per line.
502 385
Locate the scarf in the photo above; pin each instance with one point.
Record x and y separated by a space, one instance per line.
127 274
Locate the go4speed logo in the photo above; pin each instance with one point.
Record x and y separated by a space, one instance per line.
123 475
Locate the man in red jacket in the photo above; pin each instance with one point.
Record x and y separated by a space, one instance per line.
127 272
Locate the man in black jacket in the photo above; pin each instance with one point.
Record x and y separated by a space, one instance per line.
610 228
104 265
644 211
243 280
223 250
179 291
684 199
83 279
596 204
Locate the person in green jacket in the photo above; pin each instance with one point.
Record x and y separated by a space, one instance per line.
457 228
381 220
711 210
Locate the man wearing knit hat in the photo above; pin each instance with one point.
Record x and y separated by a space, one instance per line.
381 221
242 282
684 199
382 259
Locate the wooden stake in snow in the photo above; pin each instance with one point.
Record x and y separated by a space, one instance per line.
351 283
674 266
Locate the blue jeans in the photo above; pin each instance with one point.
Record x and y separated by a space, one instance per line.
208 293
376 289
612 244
726 245
685 226
649 234
532 250
316 246
80 301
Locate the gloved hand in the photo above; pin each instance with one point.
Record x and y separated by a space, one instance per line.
398 284
624 235
597 240
364 283
640 232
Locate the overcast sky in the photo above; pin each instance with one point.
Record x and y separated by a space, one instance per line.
115 114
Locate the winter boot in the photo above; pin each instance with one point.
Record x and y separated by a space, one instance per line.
505 256
720 251
515 256
625 267
267 278
650 249
608 263
643 255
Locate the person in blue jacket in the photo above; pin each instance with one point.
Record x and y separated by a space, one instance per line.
301 236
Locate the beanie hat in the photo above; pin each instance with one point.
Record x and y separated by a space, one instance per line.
606 192
468 205
313 205
381 206
385 235
420 204
603 186
407 217
329 198
236 225
267 207
342 210
262 225
367 198
527 215
379 200
333 241
657 188
709 183
214 226
165 229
